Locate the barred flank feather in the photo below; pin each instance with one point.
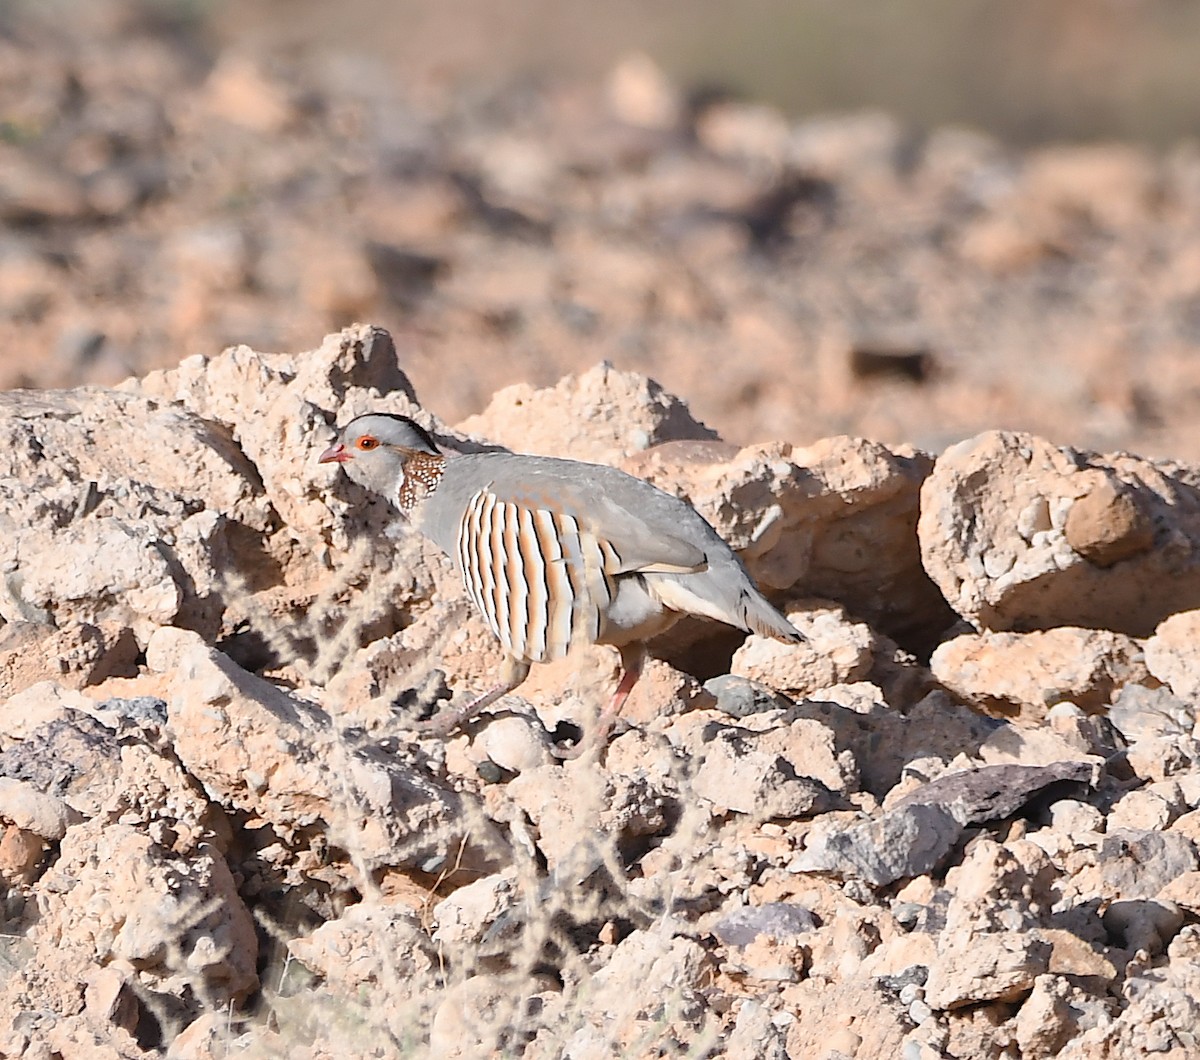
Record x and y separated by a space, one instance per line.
541 581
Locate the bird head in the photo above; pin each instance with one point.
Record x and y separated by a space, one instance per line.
376 448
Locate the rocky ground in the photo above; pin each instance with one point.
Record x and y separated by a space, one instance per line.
960 821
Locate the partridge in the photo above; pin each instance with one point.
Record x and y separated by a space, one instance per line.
556 552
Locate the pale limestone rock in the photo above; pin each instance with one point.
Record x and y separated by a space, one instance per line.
1024 674
1183 891
1171 654
898 954
35 811
579 813
640 751
74 656
241 493
475 1017
395 578
39 704
860 1017
21 855
109 998
639 93
513 743
850 937
1073 955
465 917
751 132
1044 745
58 576
1073 817
835 520
893 846
153 792
857 697
796 757
1047 1016
754 1036
205 1038
770 960
1188 826
256 747
131 447
176 918
1141 713
371 946
50 979
1144 809
1130 863
917 1049
1158 1009
837 650
662 692
937 726
864 146
1114 185
986 966
997 536
599 416
164 498
736 774
994 889
1164 757
1038 215
238 91
579 687
649 972
51 1034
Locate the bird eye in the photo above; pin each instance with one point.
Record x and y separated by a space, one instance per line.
367 442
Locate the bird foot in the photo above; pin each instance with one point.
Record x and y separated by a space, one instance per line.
597 740
450 717
442 724
445 722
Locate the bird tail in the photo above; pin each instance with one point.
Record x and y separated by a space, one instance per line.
761 617
711 595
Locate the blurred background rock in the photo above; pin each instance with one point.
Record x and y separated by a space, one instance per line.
1026 70
908 221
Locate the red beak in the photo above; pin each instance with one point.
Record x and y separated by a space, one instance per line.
335 454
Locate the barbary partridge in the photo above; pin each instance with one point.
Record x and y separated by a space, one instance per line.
556 552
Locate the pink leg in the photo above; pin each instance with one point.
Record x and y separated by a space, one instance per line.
632 660
515 671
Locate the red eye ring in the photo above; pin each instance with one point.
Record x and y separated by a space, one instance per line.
367 442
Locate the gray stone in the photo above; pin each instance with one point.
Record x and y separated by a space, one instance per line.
897 845
740 697
776 920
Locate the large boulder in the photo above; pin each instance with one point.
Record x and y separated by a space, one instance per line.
1020 534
